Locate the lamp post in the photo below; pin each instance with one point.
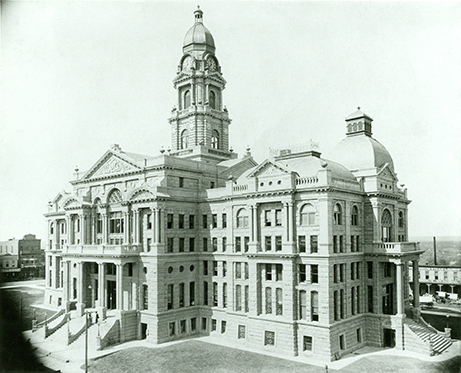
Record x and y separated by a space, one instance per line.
448 317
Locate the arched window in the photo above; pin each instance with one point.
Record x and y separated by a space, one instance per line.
184 139
115 196
355 216
386 226
337 212
51 228
186 99
212 99
242 218
401 219
215 139
308 215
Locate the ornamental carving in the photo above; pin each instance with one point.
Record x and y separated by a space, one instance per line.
113 166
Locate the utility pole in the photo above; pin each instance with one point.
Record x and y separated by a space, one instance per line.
86 342
435 252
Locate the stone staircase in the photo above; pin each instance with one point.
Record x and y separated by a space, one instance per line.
438 343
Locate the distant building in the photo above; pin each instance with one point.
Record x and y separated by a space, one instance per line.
299 254
23 258
444 281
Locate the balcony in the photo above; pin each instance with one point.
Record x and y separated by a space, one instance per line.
102 249
395 247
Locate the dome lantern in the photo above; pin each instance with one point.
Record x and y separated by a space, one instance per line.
198 38
358 122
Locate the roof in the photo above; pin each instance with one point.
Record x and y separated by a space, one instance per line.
198 33
357 114
360 153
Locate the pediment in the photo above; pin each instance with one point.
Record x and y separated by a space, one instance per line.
269 168
111 164
386 173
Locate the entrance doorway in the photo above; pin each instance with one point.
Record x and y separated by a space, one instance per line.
143 330
111 295
389 337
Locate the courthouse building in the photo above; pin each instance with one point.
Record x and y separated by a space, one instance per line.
299 254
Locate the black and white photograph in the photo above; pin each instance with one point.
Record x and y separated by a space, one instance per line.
230 186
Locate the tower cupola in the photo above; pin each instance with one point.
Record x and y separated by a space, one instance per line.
198 38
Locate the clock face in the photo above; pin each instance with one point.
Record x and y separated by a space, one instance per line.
187 63
211 63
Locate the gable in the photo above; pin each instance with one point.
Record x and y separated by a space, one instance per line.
269 168
386 173
111 165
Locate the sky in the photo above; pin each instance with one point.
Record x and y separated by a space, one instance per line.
78 76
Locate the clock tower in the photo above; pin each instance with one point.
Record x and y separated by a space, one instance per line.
199 122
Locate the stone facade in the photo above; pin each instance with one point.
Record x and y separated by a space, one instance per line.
299 254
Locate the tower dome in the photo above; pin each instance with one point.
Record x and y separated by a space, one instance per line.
198 37
359 150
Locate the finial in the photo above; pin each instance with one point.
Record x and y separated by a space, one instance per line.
162 150
358 107
198 14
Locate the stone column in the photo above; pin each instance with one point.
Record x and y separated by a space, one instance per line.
290 222
104 229
101 285
255 222
55 234
119 287
69 242
135 226
415 283
93 228
125 228
80 290
161 219
252 223
400 310
83 228
154 225
65 290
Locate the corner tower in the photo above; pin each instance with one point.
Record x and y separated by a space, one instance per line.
199 121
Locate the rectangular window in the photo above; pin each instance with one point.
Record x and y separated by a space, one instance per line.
214 244
268 300
238 270
314 244
224 221
314 306
204 326
170 244
357 292
224 244
352 244
182 325
302 272
224 295
342 344
247 271
149 221
145 299
205 267
278 301
359 335
268 243
193 324
241 330
181 295
278 243
247 298
205 244
214 220
307 343
191 221
314 273
205 293
357 270
302 305
388 269
278 218
341 272
181 221
169 221
192 244
191 293
170 296
335 244
205 221
370 298
238 244
302 244
215 294
181 182
268 272
336 304
116 223
353 300
341 303
238 298
212 184
269 338
341 244
278 272
213 325
181 244
215 268
246 243
352 271
223 327
267 218
224 269
172 328
370 269
357 243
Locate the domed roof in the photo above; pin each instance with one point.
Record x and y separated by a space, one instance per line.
198 33
361 152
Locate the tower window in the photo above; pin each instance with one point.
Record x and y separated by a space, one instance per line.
215 139
184 139
186 99
386 226
212 100
337 214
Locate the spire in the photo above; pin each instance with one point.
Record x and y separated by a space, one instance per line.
198 15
